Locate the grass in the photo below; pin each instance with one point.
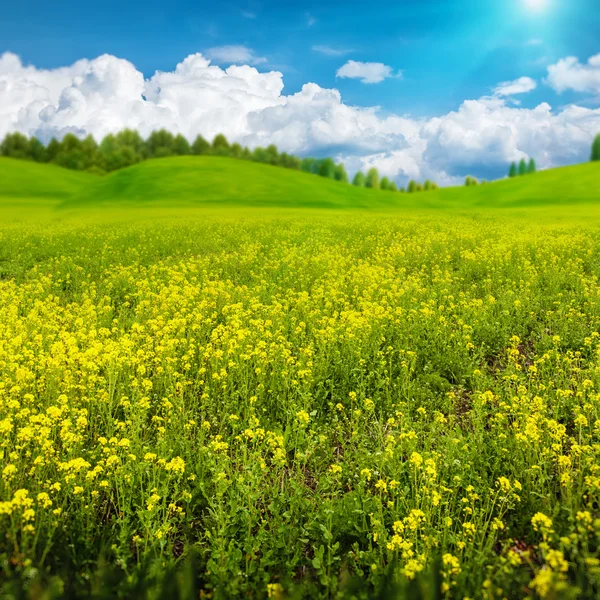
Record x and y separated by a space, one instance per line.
188 182
279 402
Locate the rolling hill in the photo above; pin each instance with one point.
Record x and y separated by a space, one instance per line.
28 187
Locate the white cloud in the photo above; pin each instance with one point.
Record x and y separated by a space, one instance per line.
367 72
107 94
248 14
329 51
569 74
534 42
518 86
310 20
233 55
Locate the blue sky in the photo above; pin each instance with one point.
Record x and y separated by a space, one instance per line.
447 51
435 112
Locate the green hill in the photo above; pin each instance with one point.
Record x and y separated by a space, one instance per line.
191 181
32 186
213 181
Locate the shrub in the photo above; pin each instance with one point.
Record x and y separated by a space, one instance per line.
384 184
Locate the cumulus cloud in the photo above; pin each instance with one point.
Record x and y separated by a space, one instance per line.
569 74
108 94
367 72
518 86
233 55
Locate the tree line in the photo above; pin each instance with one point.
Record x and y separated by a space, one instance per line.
126 148
523 168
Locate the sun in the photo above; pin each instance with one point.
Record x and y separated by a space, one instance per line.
536 5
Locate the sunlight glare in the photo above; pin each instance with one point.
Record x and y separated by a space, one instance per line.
536 5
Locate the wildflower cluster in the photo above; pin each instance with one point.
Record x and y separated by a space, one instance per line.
303 401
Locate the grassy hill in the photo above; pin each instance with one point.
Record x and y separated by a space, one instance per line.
213 181
32 186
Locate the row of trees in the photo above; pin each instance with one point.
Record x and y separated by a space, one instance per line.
127 148
372 180
523 168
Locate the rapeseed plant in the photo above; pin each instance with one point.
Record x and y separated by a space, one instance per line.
302 401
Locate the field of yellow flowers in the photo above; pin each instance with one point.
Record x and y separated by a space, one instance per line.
300 405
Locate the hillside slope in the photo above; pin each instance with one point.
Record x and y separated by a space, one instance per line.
188 180
28 187
30 183
192 181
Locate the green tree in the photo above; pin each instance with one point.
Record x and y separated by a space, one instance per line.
522 167
427 185
294 163
596 149
200 146
181 147
372 179
71 155
359 179
52 149
435 186
272 154
236 150
220 145
393 187
470 181
260 155
340 173
384 184
308 165
512 172
531 167
160 144
121 150
132 139
419 188
412 186
16 145
37 150
327 168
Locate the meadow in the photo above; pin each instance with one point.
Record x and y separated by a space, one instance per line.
275 402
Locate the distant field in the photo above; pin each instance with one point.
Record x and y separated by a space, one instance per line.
217 182
235 393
